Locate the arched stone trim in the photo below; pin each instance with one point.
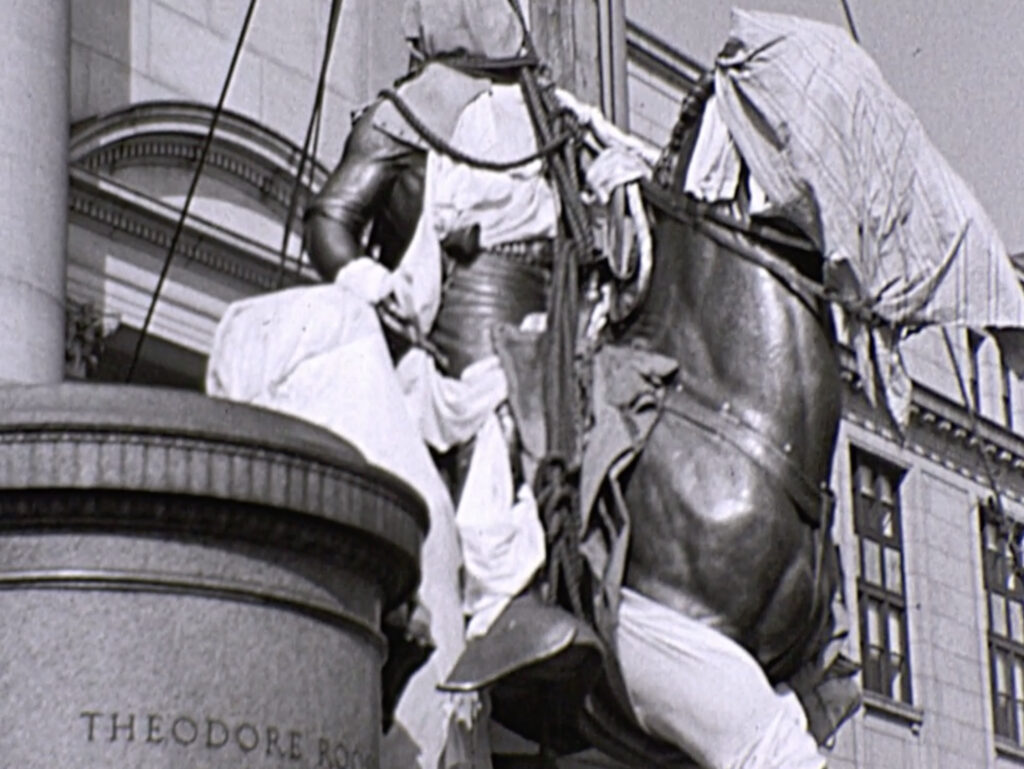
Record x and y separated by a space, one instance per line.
247 156
254 157
256 165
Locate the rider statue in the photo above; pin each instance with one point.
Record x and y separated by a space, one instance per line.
396 194
495 237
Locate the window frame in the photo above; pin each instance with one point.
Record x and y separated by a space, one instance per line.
998 565
893 680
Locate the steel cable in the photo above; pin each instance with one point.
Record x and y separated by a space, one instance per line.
200 164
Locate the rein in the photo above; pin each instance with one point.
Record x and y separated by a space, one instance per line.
711 222
442 145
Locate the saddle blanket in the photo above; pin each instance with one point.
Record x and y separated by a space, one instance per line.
691 685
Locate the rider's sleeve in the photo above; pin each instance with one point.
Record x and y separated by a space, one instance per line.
352 195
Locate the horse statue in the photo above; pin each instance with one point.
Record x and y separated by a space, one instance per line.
728 502
715 524
731 517
700 556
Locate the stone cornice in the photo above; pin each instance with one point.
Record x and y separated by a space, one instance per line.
164 462
103 204
944 433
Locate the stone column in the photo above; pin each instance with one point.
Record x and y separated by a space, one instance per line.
184 581
34 38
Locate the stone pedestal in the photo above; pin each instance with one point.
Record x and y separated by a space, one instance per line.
188 582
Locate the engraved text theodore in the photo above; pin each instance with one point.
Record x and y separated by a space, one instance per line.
244 739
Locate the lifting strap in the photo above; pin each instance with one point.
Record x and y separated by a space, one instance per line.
556 484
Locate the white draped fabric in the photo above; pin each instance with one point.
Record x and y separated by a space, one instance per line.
839 154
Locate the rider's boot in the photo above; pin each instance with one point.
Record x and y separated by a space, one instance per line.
529 639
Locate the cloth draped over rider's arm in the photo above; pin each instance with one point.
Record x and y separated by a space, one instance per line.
904 239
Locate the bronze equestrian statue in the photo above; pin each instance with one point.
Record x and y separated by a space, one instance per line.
729 520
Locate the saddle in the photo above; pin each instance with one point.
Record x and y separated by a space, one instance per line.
546 674
540 662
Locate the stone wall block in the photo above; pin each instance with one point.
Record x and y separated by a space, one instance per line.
197 69
287 100
110 81
103 26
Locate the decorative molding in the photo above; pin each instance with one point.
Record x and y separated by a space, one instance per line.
259 162
270 186
101 204
172 132
196 585
135 460
942 432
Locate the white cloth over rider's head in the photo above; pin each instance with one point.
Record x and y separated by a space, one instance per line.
487 28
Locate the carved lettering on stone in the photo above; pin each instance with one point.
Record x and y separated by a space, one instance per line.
267 742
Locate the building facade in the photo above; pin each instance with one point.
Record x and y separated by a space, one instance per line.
933 557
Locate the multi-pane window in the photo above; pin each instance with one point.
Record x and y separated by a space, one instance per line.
1004 586
881 595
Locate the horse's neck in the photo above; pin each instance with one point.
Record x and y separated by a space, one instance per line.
728 322
713 310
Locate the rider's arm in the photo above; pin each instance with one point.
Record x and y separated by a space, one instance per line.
351 196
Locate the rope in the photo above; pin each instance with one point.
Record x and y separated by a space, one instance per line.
849 21
180 227
487 64
313 126
562 168
441 145
556 483
558 505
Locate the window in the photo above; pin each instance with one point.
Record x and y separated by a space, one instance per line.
881 596
988 379
1004 567
974 343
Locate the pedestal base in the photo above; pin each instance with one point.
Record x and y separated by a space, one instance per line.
188 582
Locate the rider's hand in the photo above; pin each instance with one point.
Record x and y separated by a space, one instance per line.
402 332
393 318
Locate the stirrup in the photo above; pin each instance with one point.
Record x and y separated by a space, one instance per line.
531 639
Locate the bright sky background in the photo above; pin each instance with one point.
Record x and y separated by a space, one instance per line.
958 63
